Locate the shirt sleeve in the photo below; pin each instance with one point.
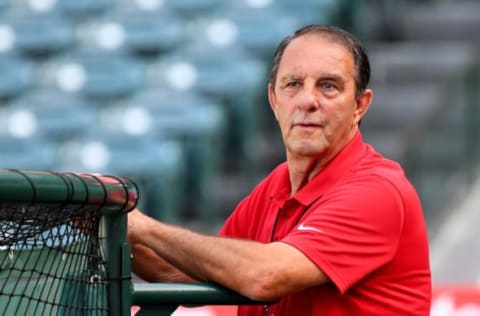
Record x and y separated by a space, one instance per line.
352 231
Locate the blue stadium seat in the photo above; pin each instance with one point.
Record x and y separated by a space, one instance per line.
218 72
195 121
192 8
73 8
38 33
227 75
57 115
259 25
31 153
16 75
4 4
258 29
137 31
313 11
172 112
84 7
155 165
94 74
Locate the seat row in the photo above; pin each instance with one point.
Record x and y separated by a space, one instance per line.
45 26
170 143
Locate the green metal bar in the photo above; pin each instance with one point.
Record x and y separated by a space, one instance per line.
118 267
113 194
168 294
157 311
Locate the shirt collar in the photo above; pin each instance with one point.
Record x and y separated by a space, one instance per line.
333 171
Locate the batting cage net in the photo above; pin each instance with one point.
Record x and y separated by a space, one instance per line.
53 254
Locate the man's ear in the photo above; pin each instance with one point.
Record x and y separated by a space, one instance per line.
272 99
363 103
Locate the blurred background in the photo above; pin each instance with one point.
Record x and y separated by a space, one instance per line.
172 94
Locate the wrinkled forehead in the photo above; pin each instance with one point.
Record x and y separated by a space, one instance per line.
317 51
321 40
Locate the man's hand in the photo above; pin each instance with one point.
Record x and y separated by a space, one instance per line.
146 263
136 221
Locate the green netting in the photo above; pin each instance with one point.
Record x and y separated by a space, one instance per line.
53 250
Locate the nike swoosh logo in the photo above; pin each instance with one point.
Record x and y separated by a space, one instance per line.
303 227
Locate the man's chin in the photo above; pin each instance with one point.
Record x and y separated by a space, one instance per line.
307 149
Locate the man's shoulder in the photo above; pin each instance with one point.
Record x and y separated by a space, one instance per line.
374 163
379 169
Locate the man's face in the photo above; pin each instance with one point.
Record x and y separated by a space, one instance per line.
314 97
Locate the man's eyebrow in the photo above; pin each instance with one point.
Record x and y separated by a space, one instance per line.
333 77
289 78
322 77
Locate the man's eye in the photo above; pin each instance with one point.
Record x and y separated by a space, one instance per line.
292 84
328 86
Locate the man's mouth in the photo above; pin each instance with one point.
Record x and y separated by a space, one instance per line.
307 125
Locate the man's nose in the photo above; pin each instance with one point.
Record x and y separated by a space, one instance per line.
308 99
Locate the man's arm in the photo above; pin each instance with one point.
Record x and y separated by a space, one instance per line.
259 271
152 268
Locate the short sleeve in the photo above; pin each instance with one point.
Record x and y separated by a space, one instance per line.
351 231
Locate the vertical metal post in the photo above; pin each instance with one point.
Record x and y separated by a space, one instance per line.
118 265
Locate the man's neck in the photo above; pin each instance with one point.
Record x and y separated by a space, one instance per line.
303 168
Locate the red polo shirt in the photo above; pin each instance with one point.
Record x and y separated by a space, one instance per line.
360 221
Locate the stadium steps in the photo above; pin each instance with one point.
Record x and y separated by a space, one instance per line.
413 84
443 20
436 46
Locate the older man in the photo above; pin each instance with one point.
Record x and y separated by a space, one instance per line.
337 229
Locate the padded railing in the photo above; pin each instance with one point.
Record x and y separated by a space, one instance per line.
163 298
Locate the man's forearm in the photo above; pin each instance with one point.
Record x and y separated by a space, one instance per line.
229 262
150 267
205 258
257 270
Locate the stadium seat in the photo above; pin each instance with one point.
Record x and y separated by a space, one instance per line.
212 72
16 75
135 30
195 121
37 33
253 20
252 27
94 74
56 115
4 4
73 8
312 11
155 165
81 7
31 153
192 8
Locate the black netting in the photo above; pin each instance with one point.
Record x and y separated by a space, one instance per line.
51 263
52 245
